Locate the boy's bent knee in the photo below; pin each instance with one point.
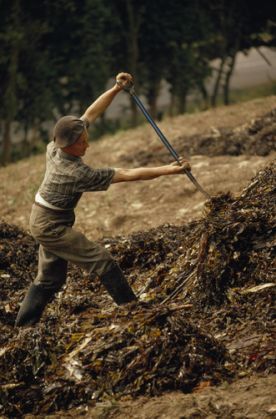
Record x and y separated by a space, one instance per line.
104 263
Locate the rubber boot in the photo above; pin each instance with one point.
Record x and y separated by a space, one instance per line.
117 286
33 305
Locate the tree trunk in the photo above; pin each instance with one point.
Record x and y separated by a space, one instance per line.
6 149
153 106
10 99
182 103
25 147
204 94
217 83
134 113
227 79
152 98
172 104
134 20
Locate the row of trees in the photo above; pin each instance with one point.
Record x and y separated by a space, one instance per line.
57 56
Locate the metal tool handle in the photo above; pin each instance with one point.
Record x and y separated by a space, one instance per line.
131 91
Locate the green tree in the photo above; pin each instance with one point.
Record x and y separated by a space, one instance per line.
11 38
22 67
187 60
154 48
56 57
237 26
128 16
79 47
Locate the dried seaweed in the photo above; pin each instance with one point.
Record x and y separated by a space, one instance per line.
258 137
205 312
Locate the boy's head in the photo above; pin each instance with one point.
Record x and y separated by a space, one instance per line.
78 148
68 129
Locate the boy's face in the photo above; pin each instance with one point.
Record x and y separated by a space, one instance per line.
78 149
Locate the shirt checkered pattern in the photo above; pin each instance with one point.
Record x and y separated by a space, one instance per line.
67 177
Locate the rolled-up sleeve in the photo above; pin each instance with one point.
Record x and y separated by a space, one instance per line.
95 179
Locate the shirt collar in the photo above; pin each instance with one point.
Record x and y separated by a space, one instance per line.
67 156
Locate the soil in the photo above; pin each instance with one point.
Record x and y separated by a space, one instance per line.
157 230
252 397
127 208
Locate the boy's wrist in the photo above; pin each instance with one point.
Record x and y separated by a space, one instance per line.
175 169
117 87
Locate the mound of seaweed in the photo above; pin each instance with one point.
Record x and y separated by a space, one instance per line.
258 137
205 312
232 246
18 261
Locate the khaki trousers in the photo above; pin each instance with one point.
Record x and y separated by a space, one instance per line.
60 244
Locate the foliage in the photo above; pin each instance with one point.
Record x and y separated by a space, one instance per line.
57 57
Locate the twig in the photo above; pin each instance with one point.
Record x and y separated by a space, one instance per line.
179 288
263 56
182 307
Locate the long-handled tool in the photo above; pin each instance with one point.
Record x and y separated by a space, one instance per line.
131 91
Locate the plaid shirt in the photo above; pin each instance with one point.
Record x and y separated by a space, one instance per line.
67 177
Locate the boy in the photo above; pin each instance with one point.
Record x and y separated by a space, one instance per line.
52 216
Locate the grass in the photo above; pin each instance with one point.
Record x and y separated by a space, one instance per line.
243 95
236 96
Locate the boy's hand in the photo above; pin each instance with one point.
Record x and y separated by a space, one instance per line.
185 165
124 80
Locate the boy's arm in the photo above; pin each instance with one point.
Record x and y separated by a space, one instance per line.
147 173
103 101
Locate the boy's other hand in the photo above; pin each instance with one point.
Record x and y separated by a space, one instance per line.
124 80
184 165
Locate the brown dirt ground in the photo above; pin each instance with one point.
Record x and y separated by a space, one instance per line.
252 397
127 208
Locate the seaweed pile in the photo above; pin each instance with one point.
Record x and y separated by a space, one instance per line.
258 137
205 312
18 260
